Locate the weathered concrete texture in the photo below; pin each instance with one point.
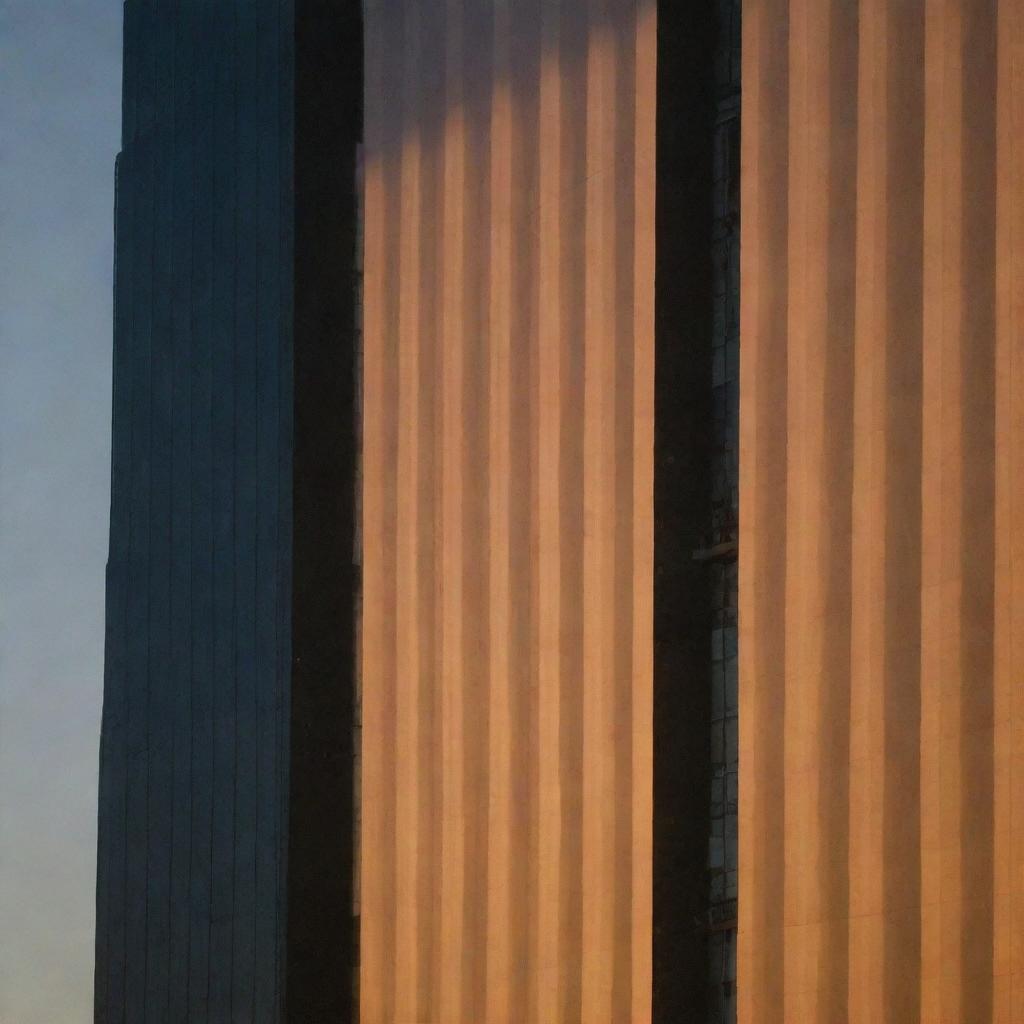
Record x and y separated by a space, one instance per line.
507 512
881 596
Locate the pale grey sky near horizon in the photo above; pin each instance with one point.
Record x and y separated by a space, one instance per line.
60 83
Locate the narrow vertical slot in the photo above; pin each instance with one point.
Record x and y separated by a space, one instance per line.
322 950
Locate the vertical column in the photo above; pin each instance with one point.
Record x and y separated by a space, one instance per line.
764 807
868 552
501 768
807 317
549 443
408 846
599 526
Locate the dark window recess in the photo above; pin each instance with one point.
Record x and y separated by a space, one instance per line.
696 480
722 534
322 937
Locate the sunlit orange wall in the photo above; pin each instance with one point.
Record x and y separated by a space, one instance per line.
882 513
507 489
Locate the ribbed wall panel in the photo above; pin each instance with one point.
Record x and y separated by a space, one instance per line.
507 511
882 452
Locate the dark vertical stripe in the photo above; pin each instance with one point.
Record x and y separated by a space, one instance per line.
572 300
902 697
477 86
322 479
524 59
430 579
977 541
683 330
837 508
623 242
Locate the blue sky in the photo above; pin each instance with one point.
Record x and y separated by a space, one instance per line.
59 124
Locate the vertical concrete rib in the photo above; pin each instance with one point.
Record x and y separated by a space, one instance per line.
622 217
524 482
866 902
477 87
978 367
764 807
499 329
807 259
550 962
836 498
951 534
822 126
599 523
408 613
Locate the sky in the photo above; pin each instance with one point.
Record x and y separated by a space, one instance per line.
60 82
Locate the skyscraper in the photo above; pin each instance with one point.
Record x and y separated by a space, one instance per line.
225 818
479 650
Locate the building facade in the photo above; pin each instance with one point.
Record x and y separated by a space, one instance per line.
225 818
880 486
487 642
